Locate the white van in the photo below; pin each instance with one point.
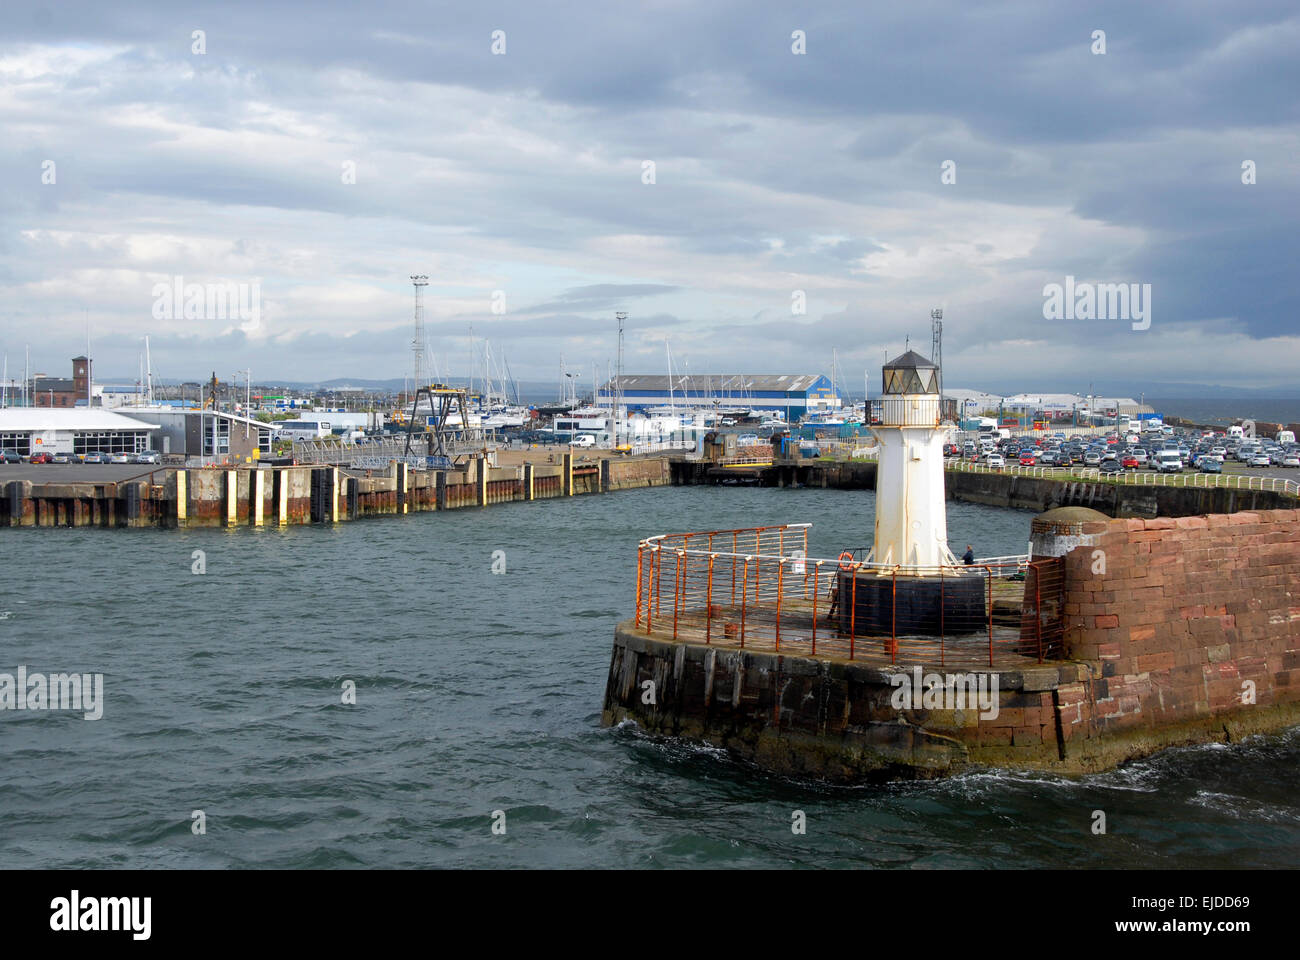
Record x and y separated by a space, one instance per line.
583 440
1285 436
1168 461
1237 432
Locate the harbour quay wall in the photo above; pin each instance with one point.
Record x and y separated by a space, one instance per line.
1115 499
1177 631
1017 491
284 495
1191 626
825 719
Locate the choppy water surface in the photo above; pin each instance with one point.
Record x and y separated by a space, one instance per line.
478 692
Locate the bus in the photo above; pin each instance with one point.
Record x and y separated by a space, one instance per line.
303 429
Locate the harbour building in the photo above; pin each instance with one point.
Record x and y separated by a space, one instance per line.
28 430
790 396
204 432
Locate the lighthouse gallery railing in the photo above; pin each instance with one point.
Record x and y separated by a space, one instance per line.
757 588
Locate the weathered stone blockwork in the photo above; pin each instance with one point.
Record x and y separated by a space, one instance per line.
1180 613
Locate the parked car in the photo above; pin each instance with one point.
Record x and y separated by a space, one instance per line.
148 456
1129 462
1211 465
61 458
1260 460
996 460
94 457
1027 459
12 456
126 458
1291 460
40 456
1110 465
1092 458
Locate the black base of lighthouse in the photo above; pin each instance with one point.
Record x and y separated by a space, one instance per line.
908 605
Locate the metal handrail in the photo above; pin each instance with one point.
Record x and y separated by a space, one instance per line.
758 585
656 544
1235 481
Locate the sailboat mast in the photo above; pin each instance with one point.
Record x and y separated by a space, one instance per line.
672 403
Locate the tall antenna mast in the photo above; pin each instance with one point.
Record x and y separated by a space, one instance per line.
419 281
936 350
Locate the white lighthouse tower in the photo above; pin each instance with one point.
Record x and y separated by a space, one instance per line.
911 517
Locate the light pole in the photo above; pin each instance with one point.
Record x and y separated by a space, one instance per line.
618 388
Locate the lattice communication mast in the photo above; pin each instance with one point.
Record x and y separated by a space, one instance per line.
420 281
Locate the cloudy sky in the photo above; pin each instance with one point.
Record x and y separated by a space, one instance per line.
522 176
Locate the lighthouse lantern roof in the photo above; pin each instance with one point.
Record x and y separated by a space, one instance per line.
910 373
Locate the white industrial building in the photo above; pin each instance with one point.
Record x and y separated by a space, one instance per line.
29 430
972 403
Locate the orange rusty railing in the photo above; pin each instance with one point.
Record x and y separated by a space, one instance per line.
757 588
